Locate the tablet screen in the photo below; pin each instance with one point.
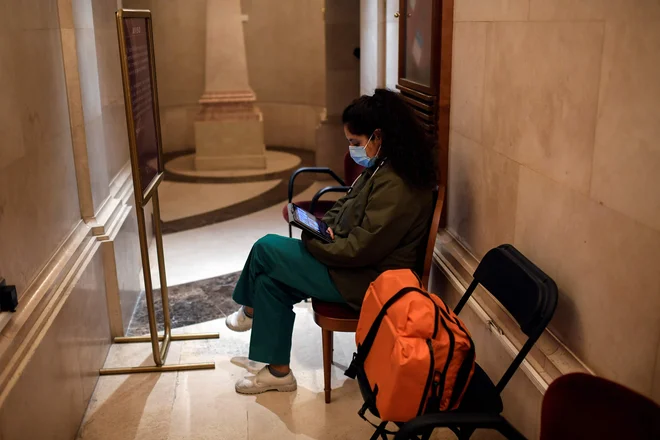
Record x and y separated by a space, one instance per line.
308 219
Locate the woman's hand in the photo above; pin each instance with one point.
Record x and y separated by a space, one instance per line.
331 232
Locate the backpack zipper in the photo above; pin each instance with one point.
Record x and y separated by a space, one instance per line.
452 343
429 379
450 354
435 324
447 312
463 372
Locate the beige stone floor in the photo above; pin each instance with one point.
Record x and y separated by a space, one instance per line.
202 405
220 248
180 199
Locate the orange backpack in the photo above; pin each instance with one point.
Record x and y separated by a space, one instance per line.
414 356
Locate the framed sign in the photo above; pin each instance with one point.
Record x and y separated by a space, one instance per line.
419 44
138 67
136 47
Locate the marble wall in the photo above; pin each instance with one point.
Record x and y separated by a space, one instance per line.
50 397
38 194
104 122
379 45
285 45
64 145
103 116
342 19
554 149
129 264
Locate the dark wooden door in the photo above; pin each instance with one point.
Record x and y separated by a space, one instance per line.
419 45
419 57
425 46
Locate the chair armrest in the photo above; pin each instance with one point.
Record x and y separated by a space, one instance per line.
313 170
327 189
469 421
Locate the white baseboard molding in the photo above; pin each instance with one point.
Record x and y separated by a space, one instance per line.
40 303
549 359
111 217
121 189
4 319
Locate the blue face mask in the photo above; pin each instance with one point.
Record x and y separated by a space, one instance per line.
359 155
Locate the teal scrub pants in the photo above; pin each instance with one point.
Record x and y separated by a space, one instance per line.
278 274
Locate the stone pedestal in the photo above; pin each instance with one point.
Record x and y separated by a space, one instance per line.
332 144
229 130
229 133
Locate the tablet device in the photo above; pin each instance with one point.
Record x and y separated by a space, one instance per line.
307 222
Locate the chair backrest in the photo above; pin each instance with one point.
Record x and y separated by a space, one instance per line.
528 294
351 170
425 257
581 406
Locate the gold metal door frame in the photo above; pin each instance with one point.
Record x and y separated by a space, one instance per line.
160 344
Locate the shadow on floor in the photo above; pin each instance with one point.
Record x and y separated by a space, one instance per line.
307 413
124 410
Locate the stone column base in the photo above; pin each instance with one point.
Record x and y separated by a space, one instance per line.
229 133
331 145
221 163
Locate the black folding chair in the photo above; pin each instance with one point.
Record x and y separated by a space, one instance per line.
530 296
316 206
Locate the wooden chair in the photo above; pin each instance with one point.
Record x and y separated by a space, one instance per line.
579 406
333 317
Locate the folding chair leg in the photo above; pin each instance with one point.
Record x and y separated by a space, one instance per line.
427 436
466 433
328 340
380 432
510 432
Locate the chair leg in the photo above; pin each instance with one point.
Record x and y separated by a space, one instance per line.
327 362
465 434
427 435
380 432
511 433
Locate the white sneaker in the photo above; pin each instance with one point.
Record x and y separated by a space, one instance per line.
239 321
252 366
264 381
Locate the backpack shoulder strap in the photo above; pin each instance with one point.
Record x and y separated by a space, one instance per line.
364 348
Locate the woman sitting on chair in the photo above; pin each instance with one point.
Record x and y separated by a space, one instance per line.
378 225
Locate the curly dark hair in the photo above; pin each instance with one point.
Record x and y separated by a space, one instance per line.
408 148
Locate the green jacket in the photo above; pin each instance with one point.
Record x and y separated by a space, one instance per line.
381 224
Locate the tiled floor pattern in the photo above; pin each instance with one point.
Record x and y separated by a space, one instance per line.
190 303
183 199
276 161
192 199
